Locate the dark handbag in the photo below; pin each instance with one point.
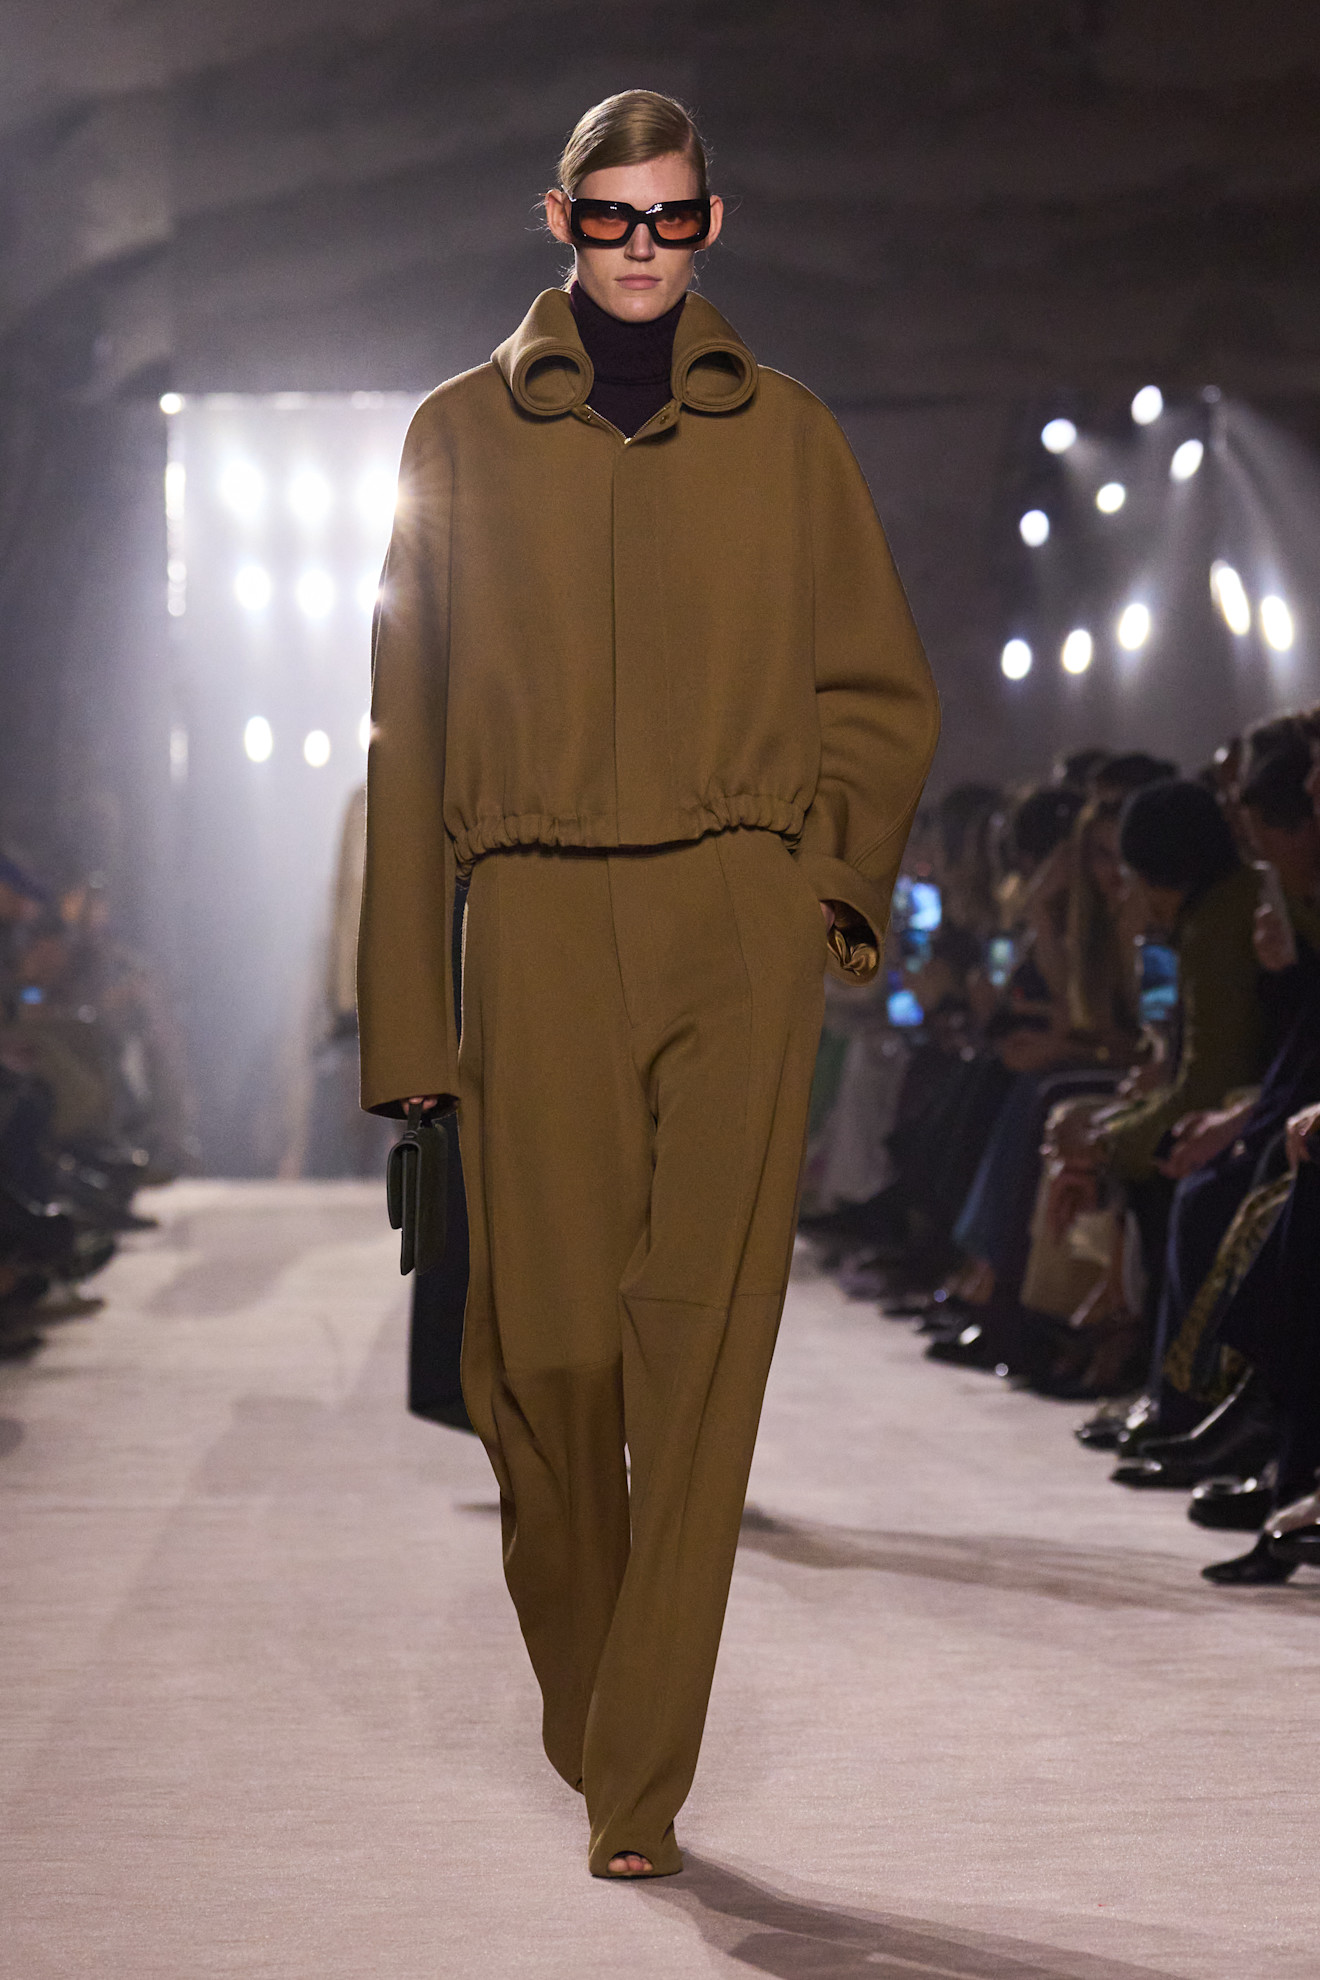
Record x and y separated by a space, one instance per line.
417 1189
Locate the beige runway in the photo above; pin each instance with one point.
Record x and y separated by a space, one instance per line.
266 1712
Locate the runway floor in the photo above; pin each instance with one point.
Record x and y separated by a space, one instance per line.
266 1711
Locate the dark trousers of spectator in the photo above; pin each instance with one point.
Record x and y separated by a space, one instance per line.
1275 1321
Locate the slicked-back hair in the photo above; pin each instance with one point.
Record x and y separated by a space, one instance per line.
630 129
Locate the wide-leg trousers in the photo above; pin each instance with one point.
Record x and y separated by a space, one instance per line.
639 1034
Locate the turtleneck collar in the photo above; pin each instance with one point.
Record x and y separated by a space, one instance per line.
548 373
632 362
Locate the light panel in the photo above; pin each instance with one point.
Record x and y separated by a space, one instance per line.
1015 660
1078 651
1276 623
1230 595
1186 460
1134 626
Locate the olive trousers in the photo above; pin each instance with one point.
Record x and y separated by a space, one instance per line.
639 1035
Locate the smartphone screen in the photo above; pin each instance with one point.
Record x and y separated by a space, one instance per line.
1159 982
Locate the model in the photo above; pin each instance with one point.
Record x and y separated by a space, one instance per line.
643 668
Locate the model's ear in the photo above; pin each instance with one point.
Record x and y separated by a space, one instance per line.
716 220
556 215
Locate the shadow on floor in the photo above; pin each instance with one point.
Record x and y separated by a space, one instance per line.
1090 1577
796 1939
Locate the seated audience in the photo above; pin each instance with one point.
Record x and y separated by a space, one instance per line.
1106 1146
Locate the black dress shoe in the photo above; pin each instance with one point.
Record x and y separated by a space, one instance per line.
1258 1569
1237 1441
1246 1405
1299 1546
1231 1505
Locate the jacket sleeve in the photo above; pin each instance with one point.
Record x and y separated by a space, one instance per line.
409 1041
877 708
1221 1033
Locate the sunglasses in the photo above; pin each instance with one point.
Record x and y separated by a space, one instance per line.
612 222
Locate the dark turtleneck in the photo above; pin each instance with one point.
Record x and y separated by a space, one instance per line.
631 361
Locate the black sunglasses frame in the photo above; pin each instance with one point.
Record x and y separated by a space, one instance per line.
650 219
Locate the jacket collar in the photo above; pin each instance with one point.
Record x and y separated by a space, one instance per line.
549 373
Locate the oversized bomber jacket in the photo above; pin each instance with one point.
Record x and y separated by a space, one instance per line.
589 641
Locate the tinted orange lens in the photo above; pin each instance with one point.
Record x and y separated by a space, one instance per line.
603 226
678 226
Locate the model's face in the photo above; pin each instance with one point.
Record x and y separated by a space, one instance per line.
639 281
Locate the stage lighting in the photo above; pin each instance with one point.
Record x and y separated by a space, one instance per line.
1058 435
368 591
178 754
1147 405
1034 528
1078 651
170 403
315 593
258 742
376 495
252 587
176 481
364 733
1229 594
316 749
1110 499
243 489
1015 660
1186 460
1276 623
1133 627
310 497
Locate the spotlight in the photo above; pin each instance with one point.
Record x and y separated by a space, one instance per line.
1186 460
376 495
1034 528
310 497
176 481
1015 660
1057 436
252 587
258 742
368 591
1147 405
243 489
1078 651
364 732
1276 623
170 403
1229 594
316 749
1133 627
1110 499
315 593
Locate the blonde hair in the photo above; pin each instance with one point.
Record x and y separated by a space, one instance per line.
630 129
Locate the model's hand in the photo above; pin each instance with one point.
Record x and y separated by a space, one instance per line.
428 1102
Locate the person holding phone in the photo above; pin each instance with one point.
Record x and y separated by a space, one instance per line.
643 669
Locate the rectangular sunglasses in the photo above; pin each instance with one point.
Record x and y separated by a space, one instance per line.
611 222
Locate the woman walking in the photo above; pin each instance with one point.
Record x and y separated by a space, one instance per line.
643 669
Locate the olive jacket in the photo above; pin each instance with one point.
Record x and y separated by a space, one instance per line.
589 641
